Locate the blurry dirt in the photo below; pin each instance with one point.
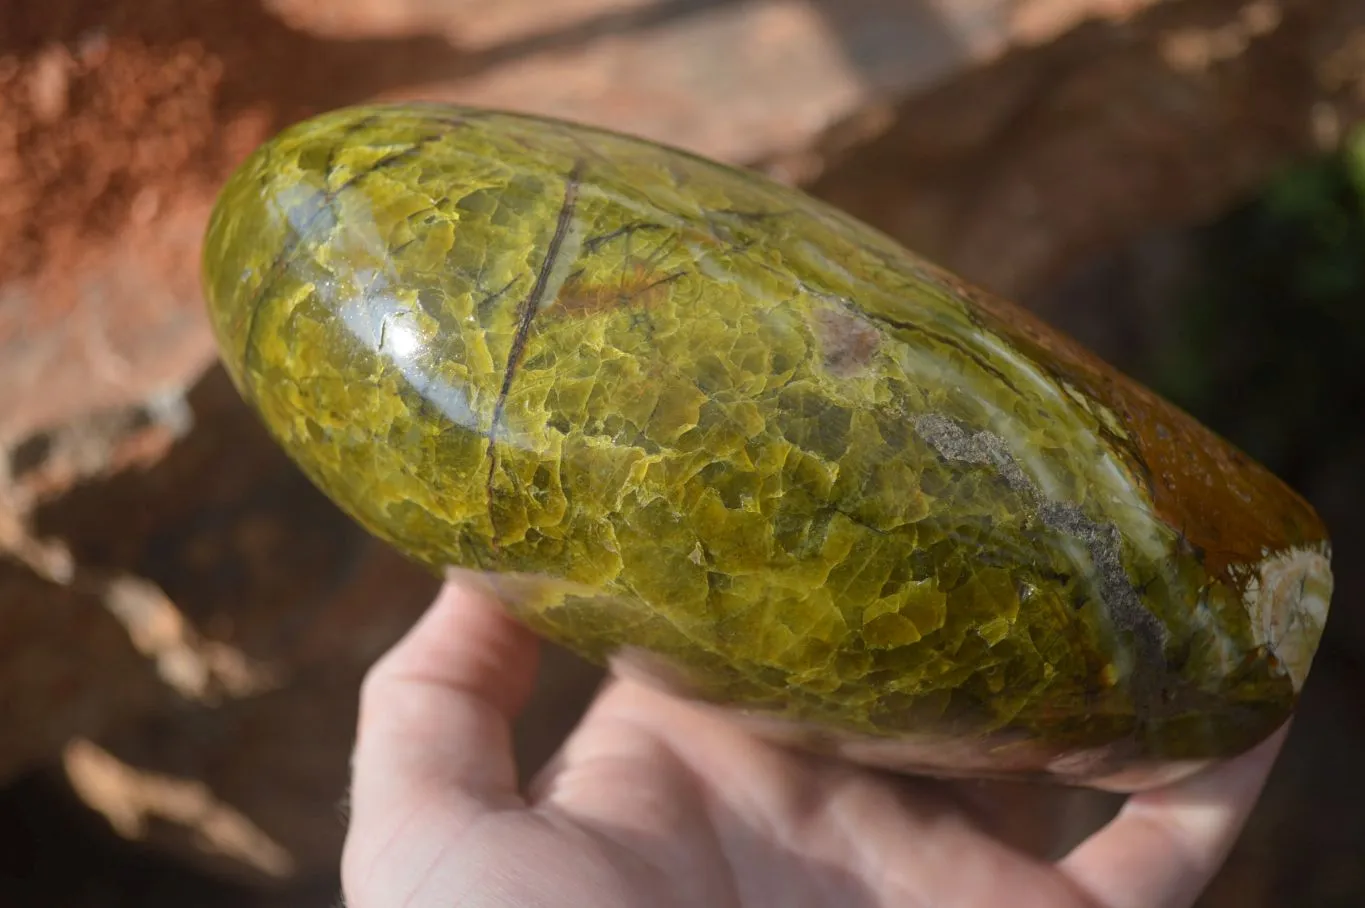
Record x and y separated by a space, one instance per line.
55 852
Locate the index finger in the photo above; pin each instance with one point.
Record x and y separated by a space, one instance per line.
1166 845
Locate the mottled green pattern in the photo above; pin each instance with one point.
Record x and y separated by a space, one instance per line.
707 417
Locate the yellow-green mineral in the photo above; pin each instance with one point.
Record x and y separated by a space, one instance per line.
705 427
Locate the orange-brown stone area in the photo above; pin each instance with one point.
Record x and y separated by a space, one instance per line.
1199 484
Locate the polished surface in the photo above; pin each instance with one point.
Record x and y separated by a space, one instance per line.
704 427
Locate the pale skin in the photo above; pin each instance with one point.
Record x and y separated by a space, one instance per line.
653 802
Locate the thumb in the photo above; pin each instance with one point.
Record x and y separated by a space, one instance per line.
434 737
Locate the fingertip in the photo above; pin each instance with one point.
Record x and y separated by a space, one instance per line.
436 710
465 640
1165 846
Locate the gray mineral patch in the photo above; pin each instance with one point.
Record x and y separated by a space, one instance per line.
1121 600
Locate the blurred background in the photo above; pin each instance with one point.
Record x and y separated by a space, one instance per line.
184 620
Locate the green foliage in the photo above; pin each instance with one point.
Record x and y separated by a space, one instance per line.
1270 349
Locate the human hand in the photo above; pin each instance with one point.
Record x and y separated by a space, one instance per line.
654 802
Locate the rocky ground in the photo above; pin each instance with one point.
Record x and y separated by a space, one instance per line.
185 619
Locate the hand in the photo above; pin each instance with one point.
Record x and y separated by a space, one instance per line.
653 802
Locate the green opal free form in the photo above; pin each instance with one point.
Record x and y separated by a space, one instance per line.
703 427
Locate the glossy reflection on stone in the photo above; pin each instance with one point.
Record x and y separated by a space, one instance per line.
704 427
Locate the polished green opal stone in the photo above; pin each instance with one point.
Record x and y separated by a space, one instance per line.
702 427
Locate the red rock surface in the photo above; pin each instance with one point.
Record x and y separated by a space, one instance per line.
1052 156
